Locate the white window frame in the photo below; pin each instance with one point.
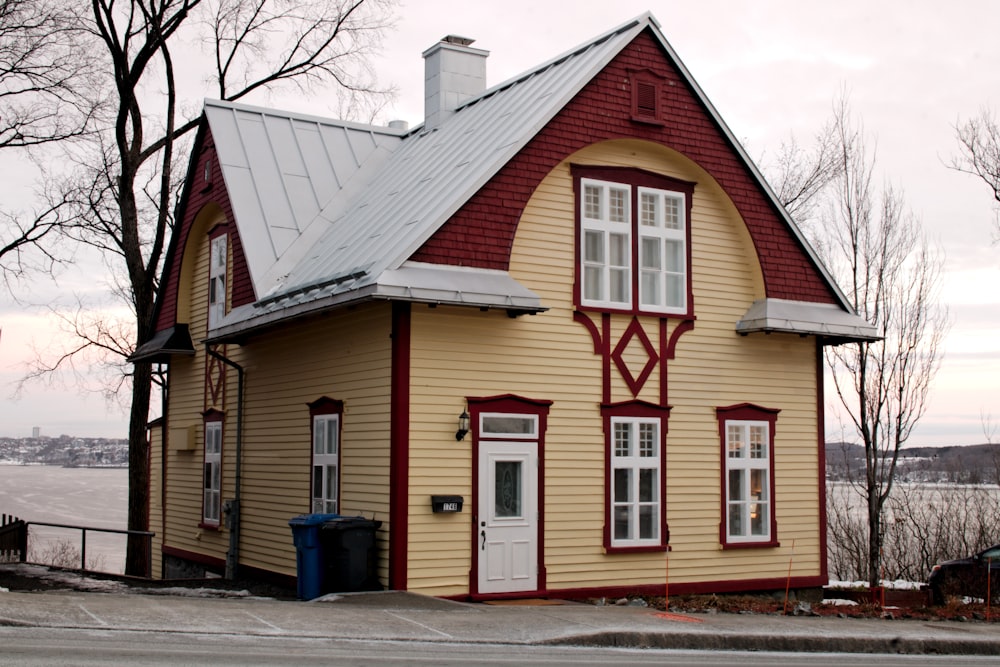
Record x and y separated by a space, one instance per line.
638 455
745 457
653 280
326 464
599 220
212 474
217 270
486 432
665 226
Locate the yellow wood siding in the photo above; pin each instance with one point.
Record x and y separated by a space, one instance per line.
155 498
461 352
345 357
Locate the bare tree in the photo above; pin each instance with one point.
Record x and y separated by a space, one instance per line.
43 79
44 87
801 175
979 146
879 254
125 183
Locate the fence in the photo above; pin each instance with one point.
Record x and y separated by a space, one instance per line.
83 539
13 539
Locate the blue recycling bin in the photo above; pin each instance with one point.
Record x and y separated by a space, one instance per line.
309 553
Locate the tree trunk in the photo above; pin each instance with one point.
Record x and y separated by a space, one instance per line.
874 541
138 556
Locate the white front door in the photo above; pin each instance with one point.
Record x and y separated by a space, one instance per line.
508 517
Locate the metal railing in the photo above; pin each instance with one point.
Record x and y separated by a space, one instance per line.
83 539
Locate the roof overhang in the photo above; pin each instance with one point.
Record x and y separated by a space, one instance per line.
457 286
164 345
828 321
414 282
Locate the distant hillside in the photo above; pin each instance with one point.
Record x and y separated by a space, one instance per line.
968 464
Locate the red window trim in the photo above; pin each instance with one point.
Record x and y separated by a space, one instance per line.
634 178
325 406
643 409
648 78
212 416
747 412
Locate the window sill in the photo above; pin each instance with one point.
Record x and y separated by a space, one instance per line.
639 312
210 526
769 544
652 548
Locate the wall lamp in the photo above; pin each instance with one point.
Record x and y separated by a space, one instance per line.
463 426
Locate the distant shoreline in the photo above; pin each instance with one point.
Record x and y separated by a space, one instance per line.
32 464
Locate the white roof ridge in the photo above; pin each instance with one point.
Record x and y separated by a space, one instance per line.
302 116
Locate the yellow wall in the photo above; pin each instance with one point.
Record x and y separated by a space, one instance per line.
155 498
462 352
346 357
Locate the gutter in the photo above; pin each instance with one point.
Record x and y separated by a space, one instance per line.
231 508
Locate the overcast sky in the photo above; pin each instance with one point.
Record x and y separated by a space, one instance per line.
912 70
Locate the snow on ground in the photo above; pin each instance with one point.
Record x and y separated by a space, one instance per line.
897 585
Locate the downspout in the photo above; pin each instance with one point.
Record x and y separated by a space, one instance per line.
233 509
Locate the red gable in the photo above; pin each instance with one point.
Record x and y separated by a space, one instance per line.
481 233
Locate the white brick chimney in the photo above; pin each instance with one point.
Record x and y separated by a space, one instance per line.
453 73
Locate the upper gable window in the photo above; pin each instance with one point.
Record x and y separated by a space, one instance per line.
218 262
634 237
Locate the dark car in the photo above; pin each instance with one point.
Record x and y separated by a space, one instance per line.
966 577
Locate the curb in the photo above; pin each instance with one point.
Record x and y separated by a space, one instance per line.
779 644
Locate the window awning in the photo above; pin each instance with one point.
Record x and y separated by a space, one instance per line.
458 286
805 318
164 345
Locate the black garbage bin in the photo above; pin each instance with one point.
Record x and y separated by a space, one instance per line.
350 555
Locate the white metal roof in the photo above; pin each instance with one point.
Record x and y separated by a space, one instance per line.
328 211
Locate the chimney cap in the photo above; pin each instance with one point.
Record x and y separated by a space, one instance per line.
457 40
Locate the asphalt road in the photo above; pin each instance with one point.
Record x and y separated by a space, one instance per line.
59 646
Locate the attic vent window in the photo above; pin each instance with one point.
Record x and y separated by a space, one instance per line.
646 89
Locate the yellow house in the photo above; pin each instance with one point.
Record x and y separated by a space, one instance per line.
558 340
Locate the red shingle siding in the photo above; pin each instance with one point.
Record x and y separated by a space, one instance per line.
199 194
481 233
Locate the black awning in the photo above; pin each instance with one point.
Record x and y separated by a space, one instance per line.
165 344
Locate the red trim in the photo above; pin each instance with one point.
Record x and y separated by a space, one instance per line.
649 411
821 458
640 77
588 323
324 406
664 349
508 403
606 357
399 445
635 330
686 588
746 412
679 330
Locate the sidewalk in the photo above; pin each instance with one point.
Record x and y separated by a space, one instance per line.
411 617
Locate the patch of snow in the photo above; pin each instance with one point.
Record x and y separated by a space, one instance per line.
897 585
837 602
